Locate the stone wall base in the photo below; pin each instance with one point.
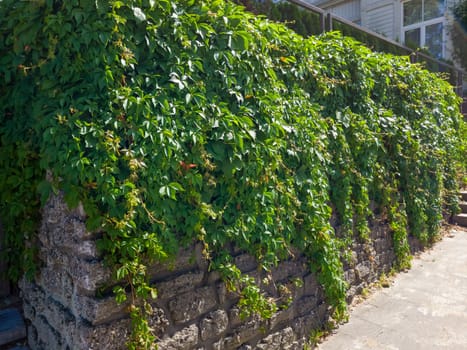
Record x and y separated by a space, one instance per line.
194 309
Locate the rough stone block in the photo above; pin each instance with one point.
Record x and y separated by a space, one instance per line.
185 339
105 337
224 295
98 311
57 282
63 272
227 343
306 305
415 245
29 311
303 325
57 316
289 269
379 228
62 223
47 337
32 296
201 260
311 285
382 245
184 261
323 311
389 257
350 276
299 344
89 275
158 321
213 277
69 236
245 262
86 250
33 341
245 347
214 324
179 284
282 317
38 306
351 293
246 331
354 257
234 317
219 345
362 270
188 306
277 341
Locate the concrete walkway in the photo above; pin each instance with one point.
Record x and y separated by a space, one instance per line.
424 309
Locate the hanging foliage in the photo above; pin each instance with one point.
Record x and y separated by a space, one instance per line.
175 122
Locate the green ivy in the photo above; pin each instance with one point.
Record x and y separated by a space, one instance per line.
176 122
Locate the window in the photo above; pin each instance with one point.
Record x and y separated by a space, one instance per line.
423 25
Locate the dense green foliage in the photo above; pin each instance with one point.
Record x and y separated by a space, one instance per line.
186 121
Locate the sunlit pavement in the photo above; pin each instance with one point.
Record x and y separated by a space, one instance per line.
425 308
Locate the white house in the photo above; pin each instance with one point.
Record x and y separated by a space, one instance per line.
416 23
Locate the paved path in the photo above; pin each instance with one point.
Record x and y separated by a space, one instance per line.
425 308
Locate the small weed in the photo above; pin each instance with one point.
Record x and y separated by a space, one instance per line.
317 335
384 281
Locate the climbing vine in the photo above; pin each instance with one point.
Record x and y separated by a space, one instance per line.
176 122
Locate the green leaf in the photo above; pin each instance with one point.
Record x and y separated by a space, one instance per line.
44 188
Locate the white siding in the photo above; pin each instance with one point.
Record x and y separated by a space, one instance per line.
383 17
381 20
349 10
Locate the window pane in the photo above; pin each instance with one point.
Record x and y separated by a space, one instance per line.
433 9
434 39
412 12
412 38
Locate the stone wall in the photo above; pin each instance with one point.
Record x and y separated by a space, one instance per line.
193 311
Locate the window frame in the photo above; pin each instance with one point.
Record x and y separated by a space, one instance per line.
422 26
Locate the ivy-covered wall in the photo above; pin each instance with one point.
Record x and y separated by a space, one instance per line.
187 122
67 308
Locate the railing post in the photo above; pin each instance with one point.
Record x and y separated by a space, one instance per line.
322 23
328 22
460 81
